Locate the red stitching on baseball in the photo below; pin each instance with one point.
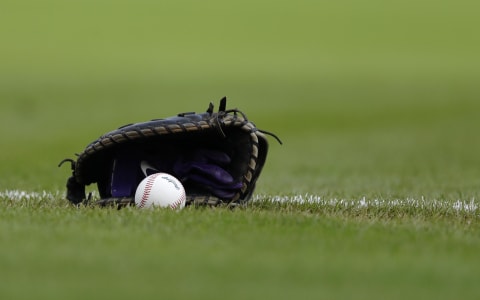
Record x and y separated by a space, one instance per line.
179 201
148 189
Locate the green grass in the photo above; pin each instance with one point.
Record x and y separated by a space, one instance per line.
265 249
377 105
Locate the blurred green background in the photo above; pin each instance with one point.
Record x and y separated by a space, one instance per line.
371 98
374 99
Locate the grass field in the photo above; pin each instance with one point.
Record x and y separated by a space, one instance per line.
374 194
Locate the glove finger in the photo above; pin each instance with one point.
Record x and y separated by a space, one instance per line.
221 191
183 169
199 179
212 171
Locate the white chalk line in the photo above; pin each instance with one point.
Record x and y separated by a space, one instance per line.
471 205
20 195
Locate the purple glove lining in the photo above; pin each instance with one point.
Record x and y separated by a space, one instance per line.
124 176
205 169
217 190
214 172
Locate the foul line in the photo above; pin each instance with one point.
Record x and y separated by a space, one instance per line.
471 205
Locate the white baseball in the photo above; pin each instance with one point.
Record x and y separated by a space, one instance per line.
160 190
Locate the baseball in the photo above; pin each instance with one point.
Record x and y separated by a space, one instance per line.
160 190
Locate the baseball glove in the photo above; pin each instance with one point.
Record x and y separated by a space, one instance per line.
218 157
